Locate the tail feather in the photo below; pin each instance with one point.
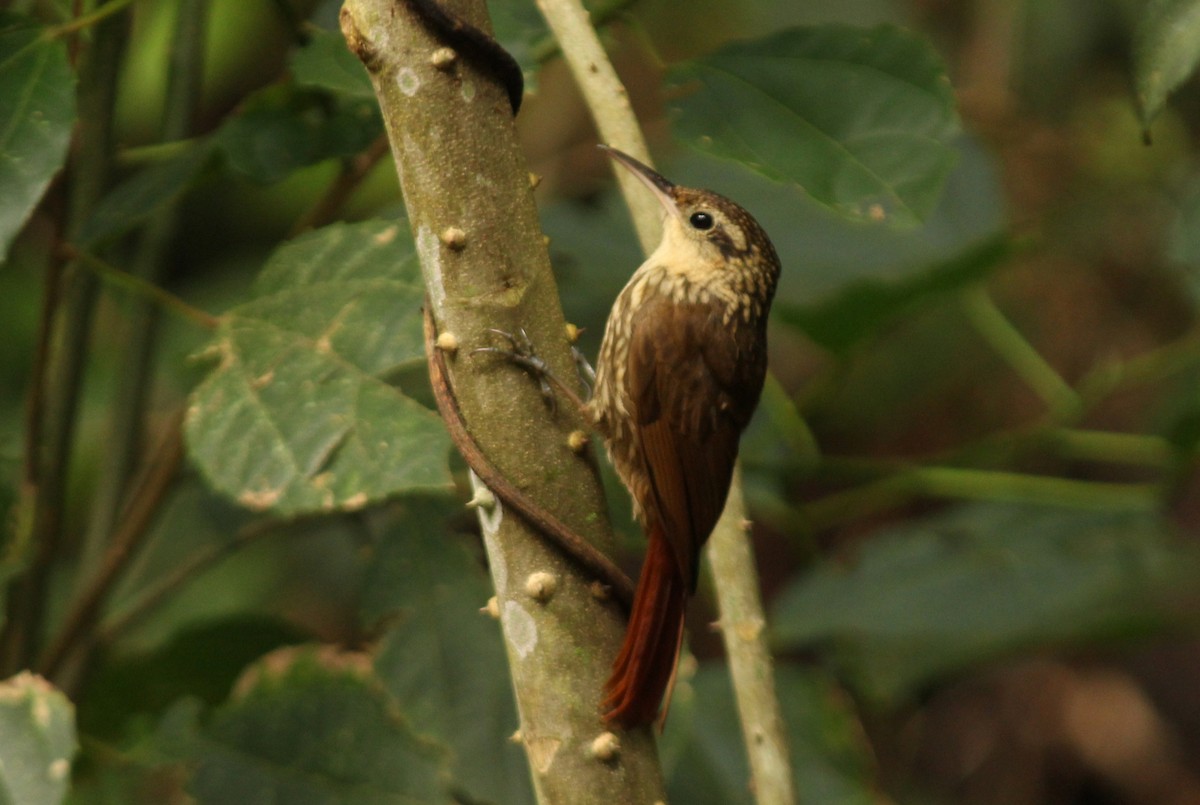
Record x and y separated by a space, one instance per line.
646 663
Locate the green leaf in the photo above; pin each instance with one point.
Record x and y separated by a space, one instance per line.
1166 48
326 63
443 659
37 741
862 119
863 307
297 417
37 110
308 726
282 129
704 756
933 598
144 193
200 660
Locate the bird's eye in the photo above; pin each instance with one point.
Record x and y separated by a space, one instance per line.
701 220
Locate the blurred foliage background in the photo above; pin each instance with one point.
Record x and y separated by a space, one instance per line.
973 478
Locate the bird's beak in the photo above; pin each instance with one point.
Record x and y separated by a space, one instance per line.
659 185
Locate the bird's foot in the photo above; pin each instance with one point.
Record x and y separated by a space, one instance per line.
520 350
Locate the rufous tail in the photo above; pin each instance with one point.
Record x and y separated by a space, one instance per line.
646 663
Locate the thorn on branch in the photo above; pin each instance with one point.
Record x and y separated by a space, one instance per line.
359 45
541 586
454 238
606 747
443 58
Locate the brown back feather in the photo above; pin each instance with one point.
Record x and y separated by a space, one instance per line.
694 382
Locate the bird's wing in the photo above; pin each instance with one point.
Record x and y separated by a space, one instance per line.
693 382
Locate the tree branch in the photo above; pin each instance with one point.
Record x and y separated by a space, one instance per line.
608 102
743 628
477 233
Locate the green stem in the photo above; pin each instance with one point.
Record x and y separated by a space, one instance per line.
971 484
155 152
87 20
163 589
136 285
608 102
857 503
151 488
1114 448
1016 350
1148 367
1015 487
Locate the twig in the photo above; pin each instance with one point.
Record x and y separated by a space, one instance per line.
973 484
87 20
160 296
742 628
608 102
1016 350
145 497
153 596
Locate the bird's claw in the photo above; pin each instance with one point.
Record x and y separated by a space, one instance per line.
522 352
586 373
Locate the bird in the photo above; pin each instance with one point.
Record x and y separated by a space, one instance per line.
679 373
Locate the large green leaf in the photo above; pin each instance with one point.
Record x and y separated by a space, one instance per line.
862 119
296 416
1166 49
441 657
935 597
307 726
37 742
37 110
704 756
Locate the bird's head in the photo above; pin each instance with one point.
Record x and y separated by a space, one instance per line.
703 228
